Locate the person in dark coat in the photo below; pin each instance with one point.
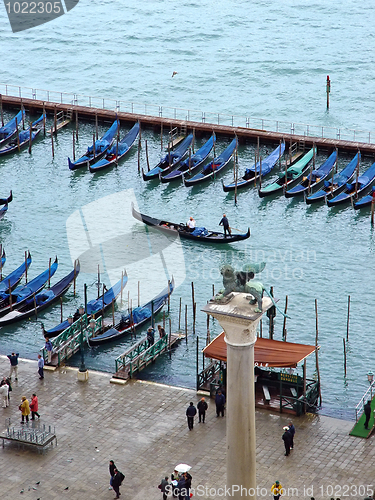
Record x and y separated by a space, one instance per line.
367 409
225 223
202 408
163 487
292 431
150 336
190 413
220 402
13 358
181 487
117 479
112 468
188 480
287 438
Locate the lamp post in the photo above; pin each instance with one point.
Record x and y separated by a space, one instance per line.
239 319
370 378
83 373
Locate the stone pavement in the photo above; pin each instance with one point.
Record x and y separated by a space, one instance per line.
142 427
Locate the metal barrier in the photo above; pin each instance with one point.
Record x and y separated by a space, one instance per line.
156 110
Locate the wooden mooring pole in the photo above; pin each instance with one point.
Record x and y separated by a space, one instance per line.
347 321
148 163
139 155
328 90
53 149
30 137
186 309
74 147
25 268
179 315
1 110
284 324
316 349
343 340
76 125
55 120
372 208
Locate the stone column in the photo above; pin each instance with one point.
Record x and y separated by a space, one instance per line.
239 321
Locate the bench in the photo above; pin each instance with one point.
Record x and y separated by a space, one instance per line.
293 391
266 393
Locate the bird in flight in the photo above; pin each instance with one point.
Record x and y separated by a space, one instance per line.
174 73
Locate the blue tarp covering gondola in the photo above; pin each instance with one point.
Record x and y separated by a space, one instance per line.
200 231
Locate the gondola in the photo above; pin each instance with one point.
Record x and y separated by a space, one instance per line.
170 160
118 151
4 201
101 147
334 186
261 168
212 169
16 144
41 300
314 179
366 200
199 234
8 131
292 175
136 318
3 259
191 164
19 296
356 188
94 308
12 280
3 210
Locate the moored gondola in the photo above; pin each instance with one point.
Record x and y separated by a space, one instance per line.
200 234
135 318
356 188
170 161
24 138
41 300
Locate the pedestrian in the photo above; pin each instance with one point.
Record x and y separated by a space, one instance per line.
150 336
117 480
220 403
161 331
188 480
7 381
277 490
202 408
25 409
163 486
112 468
34 406
292 431
190 413
13 358
48 347
40 366
225 223
287 438
174 482
4 391
367 409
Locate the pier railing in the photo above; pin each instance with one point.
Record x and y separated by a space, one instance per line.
283 127
367 396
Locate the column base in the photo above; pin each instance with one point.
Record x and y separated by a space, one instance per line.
83 376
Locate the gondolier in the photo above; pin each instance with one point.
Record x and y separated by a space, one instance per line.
225 223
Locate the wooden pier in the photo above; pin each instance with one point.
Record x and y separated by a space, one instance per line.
141 354
245 134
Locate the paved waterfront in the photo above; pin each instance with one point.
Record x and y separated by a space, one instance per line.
142 427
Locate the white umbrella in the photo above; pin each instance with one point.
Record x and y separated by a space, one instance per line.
182 468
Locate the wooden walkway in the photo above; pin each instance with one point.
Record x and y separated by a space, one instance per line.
244 134
139 355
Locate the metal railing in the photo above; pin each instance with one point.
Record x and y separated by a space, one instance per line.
365 397
141 354
156 110
208 375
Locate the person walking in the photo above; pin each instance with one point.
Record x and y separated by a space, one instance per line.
150 336
24 409
277 490
4 391
292 431
163 487
287 438
220 403
161 331
40 367
34 406
202 408
48 347
13 358
112 468
190 413
225 223
367 409
117 480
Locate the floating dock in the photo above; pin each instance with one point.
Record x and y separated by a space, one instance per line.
244 134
